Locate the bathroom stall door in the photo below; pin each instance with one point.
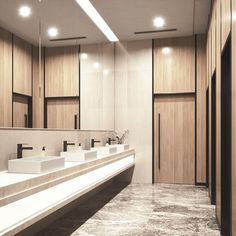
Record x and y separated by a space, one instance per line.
213 139
174 139
226 140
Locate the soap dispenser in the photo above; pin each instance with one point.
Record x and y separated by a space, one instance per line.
107 143
80 147
43 153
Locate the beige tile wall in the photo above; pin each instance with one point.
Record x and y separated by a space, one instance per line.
97 86
133 102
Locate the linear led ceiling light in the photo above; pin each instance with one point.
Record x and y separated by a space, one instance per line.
89 9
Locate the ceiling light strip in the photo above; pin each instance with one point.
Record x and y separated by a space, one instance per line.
97 19
155 31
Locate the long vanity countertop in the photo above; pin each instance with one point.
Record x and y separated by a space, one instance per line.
35 207
15 186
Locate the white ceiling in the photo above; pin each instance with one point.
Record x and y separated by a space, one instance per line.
123 16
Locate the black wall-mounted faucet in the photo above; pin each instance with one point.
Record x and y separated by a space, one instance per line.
110 140
93 141
20 149
66 144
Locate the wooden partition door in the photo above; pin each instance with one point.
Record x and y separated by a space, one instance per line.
174 146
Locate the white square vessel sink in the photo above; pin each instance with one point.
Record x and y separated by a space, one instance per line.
105 150
121 147
35 164
83 155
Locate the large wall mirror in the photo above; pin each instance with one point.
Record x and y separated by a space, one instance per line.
57 68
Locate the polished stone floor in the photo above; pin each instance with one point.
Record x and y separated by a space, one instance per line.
141 209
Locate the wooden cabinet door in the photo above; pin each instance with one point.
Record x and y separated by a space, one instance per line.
174 141
62 71
20 111
63 113
38 90
22 67
174 65
5 78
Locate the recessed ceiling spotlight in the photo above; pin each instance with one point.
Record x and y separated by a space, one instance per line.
166 50
159 22
24 11
52 32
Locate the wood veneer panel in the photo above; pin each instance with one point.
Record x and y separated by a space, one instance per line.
61 113
218 111
5 78
62 71
213 40
174 72
201 108
22 66
177 139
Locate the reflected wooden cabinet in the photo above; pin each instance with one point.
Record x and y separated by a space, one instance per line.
174 147
62 71
63 113
174 63
22 67
5 78
22 117
62 87
38 90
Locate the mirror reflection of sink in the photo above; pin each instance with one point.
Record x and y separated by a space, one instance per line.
35 164
105 150
121 147
82 155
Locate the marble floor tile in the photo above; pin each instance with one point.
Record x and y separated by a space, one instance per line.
141 209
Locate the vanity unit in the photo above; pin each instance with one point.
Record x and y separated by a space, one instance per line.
37 195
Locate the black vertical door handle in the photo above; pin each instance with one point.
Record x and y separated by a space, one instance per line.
159 141
26 120
75 125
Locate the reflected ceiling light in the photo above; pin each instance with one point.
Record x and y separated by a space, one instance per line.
25 11
52 32
105 72
90 10
96 65
159 22
166 50
84 55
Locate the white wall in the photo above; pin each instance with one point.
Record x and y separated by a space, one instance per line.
133 102
97 86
